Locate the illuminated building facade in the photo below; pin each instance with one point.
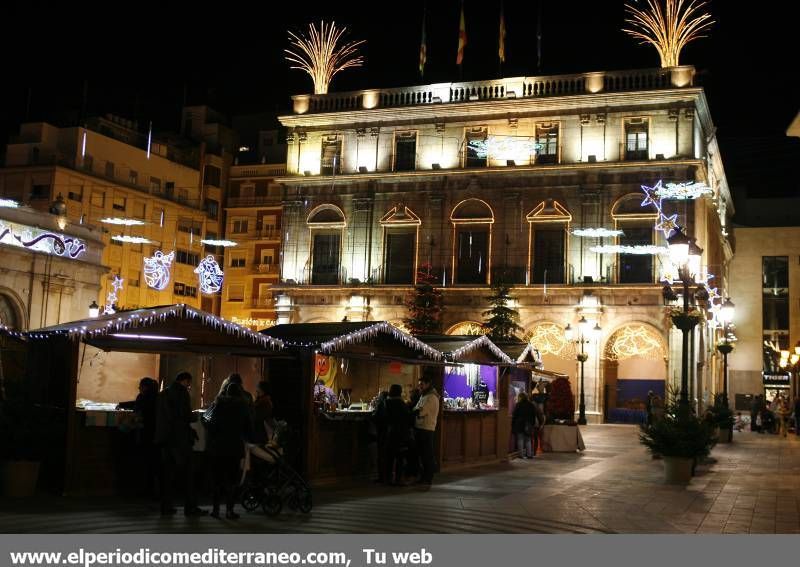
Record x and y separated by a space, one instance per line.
145 194
490 180
253 213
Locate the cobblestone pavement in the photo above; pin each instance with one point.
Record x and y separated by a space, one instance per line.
749 486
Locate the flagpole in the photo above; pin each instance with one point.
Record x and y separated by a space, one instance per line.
462 43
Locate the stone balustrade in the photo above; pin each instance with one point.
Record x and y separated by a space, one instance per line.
510 88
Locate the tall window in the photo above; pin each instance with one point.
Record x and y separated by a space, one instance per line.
547 140
326 223
239 225
477 149
472 223
636 139
775 301
325 260
548 254
331 160
405 152
212 176
636 268
400 248
549 223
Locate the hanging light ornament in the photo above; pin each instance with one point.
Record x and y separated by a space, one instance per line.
113 295
668 25
682 191
131 239
642 249
319 54
209 274
156 269
596 232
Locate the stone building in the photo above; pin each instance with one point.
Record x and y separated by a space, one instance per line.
490 180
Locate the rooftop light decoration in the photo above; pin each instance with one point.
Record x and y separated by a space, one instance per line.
131 239
668 25
320 54
640 249
122 221
597 232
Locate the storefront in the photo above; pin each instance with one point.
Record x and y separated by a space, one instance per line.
777 384
332 384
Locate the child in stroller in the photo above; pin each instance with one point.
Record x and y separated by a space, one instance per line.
269 481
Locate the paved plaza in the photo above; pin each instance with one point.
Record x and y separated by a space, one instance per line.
749 486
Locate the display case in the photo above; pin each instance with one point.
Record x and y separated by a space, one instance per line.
470 387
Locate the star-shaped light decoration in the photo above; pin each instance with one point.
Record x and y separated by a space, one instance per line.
667 224
649 193
713 294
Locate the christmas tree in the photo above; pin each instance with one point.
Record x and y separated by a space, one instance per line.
501 324
424 305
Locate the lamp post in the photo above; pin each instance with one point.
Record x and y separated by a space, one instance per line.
585 335
726 314
685 255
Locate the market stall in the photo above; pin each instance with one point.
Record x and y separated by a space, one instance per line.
108 355
475 422
338 371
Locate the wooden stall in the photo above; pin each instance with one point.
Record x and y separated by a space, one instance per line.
354 362
475 424
95 442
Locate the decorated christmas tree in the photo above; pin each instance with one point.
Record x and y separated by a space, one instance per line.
424 305
501 324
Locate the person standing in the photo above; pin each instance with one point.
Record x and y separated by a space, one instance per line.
228 428
426 414
145 406
797 415
523 424
398 434
175 437
754 413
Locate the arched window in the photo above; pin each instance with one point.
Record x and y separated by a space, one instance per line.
472 241
400 237
547 254
326 223
637 224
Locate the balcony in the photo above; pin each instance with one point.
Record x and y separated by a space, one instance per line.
254 200
266 303
266 269
259 170
500 89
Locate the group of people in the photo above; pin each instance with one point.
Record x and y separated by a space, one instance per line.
167 438
774 417
405 433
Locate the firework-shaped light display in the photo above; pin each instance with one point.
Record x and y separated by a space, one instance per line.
668 25
319 54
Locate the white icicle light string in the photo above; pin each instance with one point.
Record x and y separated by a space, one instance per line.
373 331
483 340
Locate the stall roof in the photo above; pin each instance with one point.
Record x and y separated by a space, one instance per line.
457 348
521 352
165 329
335 338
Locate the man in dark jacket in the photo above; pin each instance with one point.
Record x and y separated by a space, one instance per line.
523 424
398 434
145 407
175 437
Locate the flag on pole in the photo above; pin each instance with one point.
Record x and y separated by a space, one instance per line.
423 48
462 37
501 52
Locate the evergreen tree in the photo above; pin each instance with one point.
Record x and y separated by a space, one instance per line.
424 305
501 324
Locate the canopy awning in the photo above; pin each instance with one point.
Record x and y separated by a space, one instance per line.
369 337
164 330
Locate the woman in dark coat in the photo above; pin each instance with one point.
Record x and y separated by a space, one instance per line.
523 422
145 406
229 427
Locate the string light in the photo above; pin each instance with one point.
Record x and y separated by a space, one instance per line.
111 299
9 203
122 221
682 191
40 240
223 243
597 232
482 341
156 269
131 239
640 249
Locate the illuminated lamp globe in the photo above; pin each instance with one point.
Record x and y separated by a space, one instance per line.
727 311
596 331
568 332
583 325
94 310
797 348
678 247
695 253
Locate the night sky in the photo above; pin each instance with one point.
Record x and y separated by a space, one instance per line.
139 61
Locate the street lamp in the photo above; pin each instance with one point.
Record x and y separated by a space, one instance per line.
685 255
94 310
726 314
585 336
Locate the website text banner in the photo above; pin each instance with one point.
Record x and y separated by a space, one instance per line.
210 550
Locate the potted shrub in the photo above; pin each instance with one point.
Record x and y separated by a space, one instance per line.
26 436
681 438
561 403
722 417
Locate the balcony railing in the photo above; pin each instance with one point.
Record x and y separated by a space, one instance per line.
258 170
254 200
266 269
260 303
516 87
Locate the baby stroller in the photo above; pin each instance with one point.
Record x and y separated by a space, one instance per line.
271 481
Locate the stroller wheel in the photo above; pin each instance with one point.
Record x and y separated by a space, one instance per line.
251 498
271 504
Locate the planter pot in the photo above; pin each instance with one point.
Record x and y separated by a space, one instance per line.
19 478
678 469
